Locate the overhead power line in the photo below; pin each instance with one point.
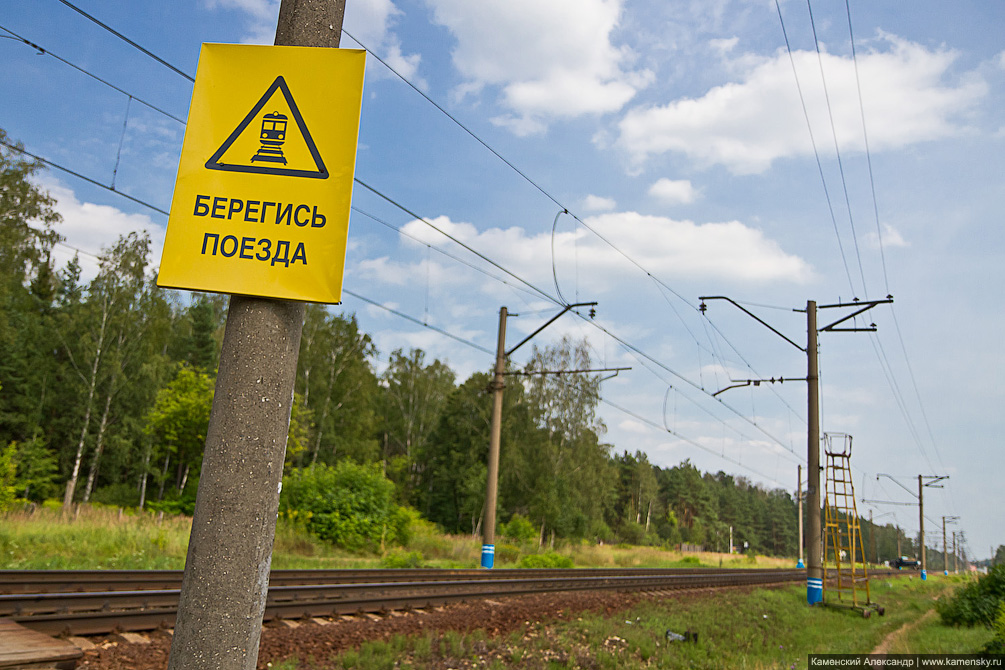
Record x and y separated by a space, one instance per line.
84 177
837 152
813 142
46 52
511 165
126 39
419 322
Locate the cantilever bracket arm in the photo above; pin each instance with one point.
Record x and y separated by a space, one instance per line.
865 307
751 315
531 373
893 479
740 383
935 479
548 323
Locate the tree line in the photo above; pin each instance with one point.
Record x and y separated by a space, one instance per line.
106 387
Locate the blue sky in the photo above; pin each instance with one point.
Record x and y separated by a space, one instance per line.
681 134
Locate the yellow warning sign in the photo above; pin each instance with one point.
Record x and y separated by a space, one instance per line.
261 202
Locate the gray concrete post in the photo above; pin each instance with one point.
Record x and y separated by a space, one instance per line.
226 580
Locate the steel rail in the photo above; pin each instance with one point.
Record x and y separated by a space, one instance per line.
94 613
70 581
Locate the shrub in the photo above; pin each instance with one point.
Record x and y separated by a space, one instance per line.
549 560
348 505
402 560
519 528
507 553
976 603
997 643
632 533
600 532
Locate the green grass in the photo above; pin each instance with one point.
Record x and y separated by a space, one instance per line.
106 537
768 628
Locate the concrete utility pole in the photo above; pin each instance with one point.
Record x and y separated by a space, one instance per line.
226 580
956 556
815 564
921 523
814 541
799 504
872 539
945 556
921 508
495 436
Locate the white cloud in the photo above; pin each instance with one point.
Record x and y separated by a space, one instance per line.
632 426
563 65
724 45
666 247
92 228
891 238
596 203
747 125
674 191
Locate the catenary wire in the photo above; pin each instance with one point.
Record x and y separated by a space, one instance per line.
623 342
868 153
453 257
418 321
813 142
879 238
85 178
837 151
450 237
535 184
126 39
91 75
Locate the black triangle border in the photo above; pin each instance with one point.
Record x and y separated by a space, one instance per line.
322 172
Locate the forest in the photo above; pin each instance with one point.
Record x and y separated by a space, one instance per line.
106 387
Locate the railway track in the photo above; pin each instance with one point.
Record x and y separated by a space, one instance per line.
104 601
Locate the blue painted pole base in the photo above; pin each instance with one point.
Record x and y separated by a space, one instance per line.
488 556
800 564
814 591
924 575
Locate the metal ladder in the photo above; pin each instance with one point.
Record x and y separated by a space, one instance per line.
846 584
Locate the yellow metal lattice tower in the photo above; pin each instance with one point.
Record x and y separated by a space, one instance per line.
846 577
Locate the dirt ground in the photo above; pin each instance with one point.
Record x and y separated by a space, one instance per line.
320 639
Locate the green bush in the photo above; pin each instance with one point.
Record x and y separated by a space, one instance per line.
519 528
997 643
600 532
549 560
976 603
507 553
632 533
399 560
349 505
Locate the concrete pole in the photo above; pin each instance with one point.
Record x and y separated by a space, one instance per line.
226 580
495 436
814 549
799 506
945 557
872 539
956 556
921 522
